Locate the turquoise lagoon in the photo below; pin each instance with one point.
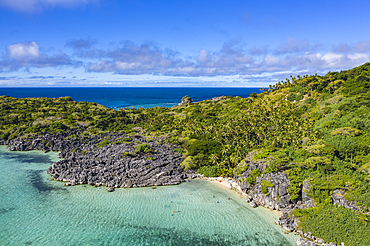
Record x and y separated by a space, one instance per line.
36 210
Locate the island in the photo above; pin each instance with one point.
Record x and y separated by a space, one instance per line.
301 146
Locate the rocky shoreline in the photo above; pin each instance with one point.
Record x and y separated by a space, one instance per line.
110 159
270 190
117 160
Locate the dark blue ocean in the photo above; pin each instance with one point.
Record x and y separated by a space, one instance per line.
129 97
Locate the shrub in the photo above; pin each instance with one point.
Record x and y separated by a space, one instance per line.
309 100
179 150
241 168
253 94
294 97
253 176
188 163
104 143
266 184
203 147
346 131
143 148
208 171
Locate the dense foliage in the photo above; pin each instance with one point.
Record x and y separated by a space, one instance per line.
313 128
345 225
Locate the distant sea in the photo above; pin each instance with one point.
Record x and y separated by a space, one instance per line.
36 210
129 97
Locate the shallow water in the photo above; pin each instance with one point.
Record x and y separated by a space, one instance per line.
35 210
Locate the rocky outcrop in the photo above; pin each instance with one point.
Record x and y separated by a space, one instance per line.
304 242
111 159
276 195
307 201
185 100
270 190
339 200
215 99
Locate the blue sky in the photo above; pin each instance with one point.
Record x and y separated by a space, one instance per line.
178 43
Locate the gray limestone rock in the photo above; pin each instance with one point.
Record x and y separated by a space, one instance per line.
87 161
253 204
304 242
339 200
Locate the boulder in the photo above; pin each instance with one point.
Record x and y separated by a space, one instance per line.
304 242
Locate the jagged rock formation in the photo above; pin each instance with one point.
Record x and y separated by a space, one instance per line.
185 100
304 242
339 200
270 190
118 164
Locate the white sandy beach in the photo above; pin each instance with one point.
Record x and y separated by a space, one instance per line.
231 184
270 215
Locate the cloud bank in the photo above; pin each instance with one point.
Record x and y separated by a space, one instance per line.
232 59
39 5
27 55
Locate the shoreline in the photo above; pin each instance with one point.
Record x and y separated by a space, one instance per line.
268 214
231 184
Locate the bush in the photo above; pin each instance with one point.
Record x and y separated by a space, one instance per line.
104 143
309 100
188 163
143 148
253 94
253 176
179 150
203 147
208 171
266 184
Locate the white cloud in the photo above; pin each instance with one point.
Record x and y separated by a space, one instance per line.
333 60
149 59
362 46
21 50
293 45
38 5
26 55
202 56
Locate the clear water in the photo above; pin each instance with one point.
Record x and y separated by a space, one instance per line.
35 210
129 97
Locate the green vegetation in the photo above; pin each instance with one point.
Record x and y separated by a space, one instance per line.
123 140
253 176
266 184
312 128
104 143
208 171
345 225
143 148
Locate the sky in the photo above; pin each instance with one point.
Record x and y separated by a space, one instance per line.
145 43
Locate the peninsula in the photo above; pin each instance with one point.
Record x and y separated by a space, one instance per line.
301 146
